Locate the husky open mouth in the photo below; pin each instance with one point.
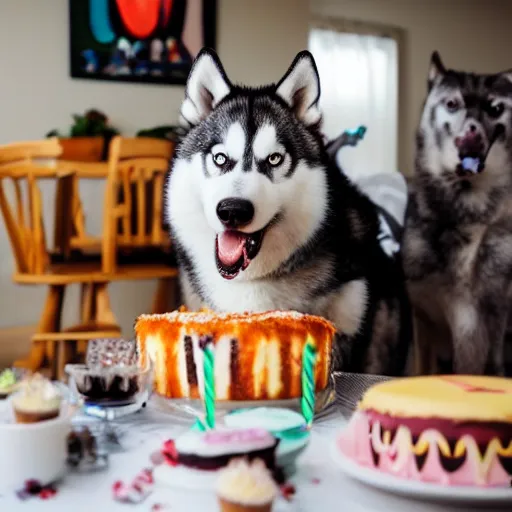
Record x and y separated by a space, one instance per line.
234 251
472 159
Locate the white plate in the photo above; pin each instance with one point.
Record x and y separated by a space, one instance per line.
490 497
181 477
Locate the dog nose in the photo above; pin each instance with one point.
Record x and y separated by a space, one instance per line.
471 140
234 212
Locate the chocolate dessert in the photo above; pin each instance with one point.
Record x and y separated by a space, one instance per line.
111 373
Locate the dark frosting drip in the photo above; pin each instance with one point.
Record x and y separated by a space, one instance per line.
482 432
191 364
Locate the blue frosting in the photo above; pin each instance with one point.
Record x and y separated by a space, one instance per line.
282 423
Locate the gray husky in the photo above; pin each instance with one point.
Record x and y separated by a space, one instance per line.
457 250
262 219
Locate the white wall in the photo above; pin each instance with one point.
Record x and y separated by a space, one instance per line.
257 40
470 34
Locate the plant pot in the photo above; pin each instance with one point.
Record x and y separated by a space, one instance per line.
83 149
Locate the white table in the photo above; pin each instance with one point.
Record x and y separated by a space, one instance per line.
144 433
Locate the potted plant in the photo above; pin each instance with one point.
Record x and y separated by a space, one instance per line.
167 132
88 138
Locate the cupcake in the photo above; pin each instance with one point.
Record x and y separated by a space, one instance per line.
37 400
8 383
245 486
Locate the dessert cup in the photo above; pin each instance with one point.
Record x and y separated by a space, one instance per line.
35 451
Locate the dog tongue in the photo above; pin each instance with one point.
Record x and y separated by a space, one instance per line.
230 246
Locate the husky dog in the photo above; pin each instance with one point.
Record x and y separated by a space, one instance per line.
261 219
457 250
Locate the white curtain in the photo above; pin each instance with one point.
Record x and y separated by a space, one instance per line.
359 86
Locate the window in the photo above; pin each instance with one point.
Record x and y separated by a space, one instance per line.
359 86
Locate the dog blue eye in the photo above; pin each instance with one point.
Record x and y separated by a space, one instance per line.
275 159
220 159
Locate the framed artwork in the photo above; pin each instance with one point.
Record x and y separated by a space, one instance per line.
148 41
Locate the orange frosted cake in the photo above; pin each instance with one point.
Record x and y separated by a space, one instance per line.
258 356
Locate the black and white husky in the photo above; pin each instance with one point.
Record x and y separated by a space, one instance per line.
457 247
261 219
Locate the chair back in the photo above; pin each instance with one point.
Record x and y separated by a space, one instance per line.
133 212
24 164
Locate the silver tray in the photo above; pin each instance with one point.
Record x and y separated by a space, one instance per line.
186 408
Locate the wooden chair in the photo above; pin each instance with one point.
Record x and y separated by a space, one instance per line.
25 164
134 243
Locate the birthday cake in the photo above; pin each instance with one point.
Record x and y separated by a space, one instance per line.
447 430
258 356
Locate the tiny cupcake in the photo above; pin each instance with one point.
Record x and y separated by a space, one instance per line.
8 383
37 400
245 486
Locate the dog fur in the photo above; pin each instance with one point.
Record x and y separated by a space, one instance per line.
457 249
319 253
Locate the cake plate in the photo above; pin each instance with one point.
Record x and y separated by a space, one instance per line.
183 410
488 497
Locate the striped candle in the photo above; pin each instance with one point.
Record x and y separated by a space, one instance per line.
205 344
308 381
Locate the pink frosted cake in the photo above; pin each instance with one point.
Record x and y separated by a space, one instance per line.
214 449
447 430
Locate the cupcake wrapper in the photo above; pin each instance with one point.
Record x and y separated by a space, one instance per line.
34 417
229 506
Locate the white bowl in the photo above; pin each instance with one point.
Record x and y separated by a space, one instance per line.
33 450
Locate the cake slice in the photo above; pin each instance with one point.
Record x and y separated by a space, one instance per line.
258 356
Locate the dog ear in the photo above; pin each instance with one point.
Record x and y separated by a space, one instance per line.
300 89
207 85
506 74
435 70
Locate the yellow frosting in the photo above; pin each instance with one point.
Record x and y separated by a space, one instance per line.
246 483
37 394
449 397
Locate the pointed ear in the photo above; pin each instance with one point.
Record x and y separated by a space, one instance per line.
207 85
506 74
435 70
300 89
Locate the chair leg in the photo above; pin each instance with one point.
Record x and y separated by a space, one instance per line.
87 303
64 352
96 310
87 309
104 313
49 322
164 295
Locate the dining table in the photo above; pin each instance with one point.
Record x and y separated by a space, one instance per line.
318 482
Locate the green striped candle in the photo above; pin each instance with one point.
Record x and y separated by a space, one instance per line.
308 381
206 344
